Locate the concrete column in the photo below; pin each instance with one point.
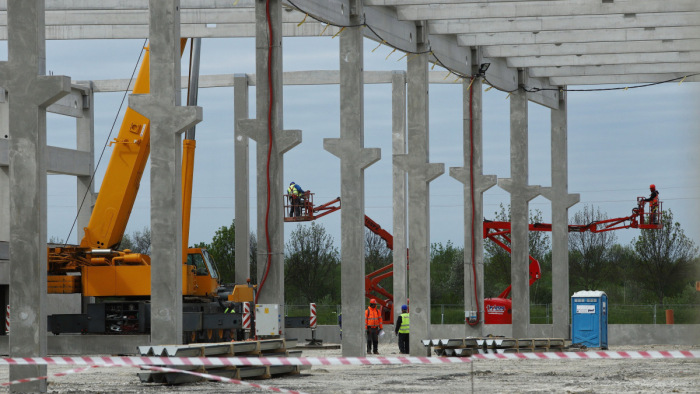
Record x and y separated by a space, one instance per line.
4 170
241 178
475 184
420 173
85 141
168 120
398 147
354 158
520 195
561 200
272 142
30 92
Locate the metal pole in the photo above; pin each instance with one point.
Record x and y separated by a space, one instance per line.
442 313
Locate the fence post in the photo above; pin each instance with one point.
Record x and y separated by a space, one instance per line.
442 313
654 313
547 309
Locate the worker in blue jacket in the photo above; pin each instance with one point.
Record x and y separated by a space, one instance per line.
295 193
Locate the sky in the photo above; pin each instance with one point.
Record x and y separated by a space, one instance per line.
619 141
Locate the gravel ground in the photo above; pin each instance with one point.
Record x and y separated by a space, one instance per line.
491 376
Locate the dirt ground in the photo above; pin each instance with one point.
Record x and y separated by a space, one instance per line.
483 376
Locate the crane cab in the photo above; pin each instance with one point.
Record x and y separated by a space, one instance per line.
200 276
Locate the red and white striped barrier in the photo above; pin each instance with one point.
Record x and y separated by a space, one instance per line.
7 320
222 379
64 373
318 361
246 315
312 320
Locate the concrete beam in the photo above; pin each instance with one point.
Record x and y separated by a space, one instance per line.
624 58
620 79
540 8
653 73
559 23
587 35
591 48
58 160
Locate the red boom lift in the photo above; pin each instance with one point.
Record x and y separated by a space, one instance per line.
498 309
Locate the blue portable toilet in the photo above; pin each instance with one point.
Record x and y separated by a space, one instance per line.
589 318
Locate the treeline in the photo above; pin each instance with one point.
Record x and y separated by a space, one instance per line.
657 266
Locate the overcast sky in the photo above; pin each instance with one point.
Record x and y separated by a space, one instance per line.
619 141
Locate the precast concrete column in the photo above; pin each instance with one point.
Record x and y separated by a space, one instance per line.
420 173
85 141
272 142
475 184
29 93
354 158
561 200
398 147
241 165
168 120
4 168
520 195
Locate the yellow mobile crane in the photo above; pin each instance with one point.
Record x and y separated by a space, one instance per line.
97 268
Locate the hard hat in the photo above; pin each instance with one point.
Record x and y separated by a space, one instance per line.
652 187
291 183
404 307
372 301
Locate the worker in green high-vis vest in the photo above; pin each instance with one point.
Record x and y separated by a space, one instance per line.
402 329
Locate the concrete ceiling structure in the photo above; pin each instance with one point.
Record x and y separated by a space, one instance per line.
557 42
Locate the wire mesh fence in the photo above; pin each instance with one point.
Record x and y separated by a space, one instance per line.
539 313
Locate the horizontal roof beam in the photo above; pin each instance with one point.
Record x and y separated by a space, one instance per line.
638 79
542 8
590 48
308 29
650 59
557 23
58 160
552 37
680 69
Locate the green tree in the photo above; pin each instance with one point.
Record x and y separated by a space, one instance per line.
223 250
137 242
589 253
446 273
665 258
310 262
253 258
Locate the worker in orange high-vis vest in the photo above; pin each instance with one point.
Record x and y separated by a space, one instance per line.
653 201
373 324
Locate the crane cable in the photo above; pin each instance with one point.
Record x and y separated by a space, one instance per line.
104 147
269 149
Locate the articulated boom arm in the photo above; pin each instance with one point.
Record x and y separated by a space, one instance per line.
499 232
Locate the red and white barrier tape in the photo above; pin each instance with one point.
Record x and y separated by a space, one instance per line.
64 373
318 361
221 379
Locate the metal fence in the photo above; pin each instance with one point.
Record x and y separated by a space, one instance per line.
539 313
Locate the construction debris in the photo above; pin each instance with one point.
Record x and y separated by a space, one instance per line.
468 346
262 348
